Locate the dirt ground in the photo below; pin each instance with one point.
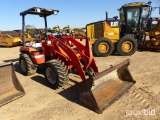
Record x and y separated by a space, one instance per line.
141 102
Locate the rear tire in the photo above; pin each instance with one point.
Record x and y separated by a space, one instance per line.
26 65
127 46
102 47
56 73
150 37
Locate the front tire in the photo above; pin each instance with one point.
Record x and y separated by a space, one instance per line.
102 47
127 46
56 73
26 65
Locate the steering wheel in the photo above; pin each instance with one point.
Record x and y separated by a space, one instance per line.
39 38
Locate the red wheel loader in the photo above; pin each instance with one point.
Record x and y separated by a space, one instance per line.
98 90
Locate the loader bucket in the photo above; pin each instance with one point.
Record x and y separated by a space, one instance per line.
10 87
107 87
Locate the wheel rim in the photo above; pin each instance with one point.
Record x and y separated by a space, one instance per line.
23 65
127 46
51 76
103 47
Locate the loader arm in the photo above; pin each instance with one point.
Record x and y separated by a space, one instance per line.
85 52
76 60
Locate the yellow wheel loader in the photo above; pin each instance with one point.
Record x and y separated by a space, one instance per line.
9 39
79 32
123 35
10 88
76 32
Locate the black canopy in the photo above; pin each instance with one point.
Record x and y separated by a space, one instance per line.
39 11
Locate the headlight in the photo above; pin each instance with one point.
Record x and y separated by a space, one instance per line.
48 42
38 10
55 12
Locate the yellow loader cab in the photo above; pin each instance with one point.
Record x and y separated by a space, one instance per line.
9 38
136 20
105 37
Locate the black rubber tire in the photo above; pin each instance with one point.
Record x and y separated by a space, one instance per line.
97 52
125 39
150 37
30 69
60 71
90 73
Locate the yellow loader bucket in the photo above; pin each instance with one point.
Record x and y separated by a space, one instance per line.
10 87
107 87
